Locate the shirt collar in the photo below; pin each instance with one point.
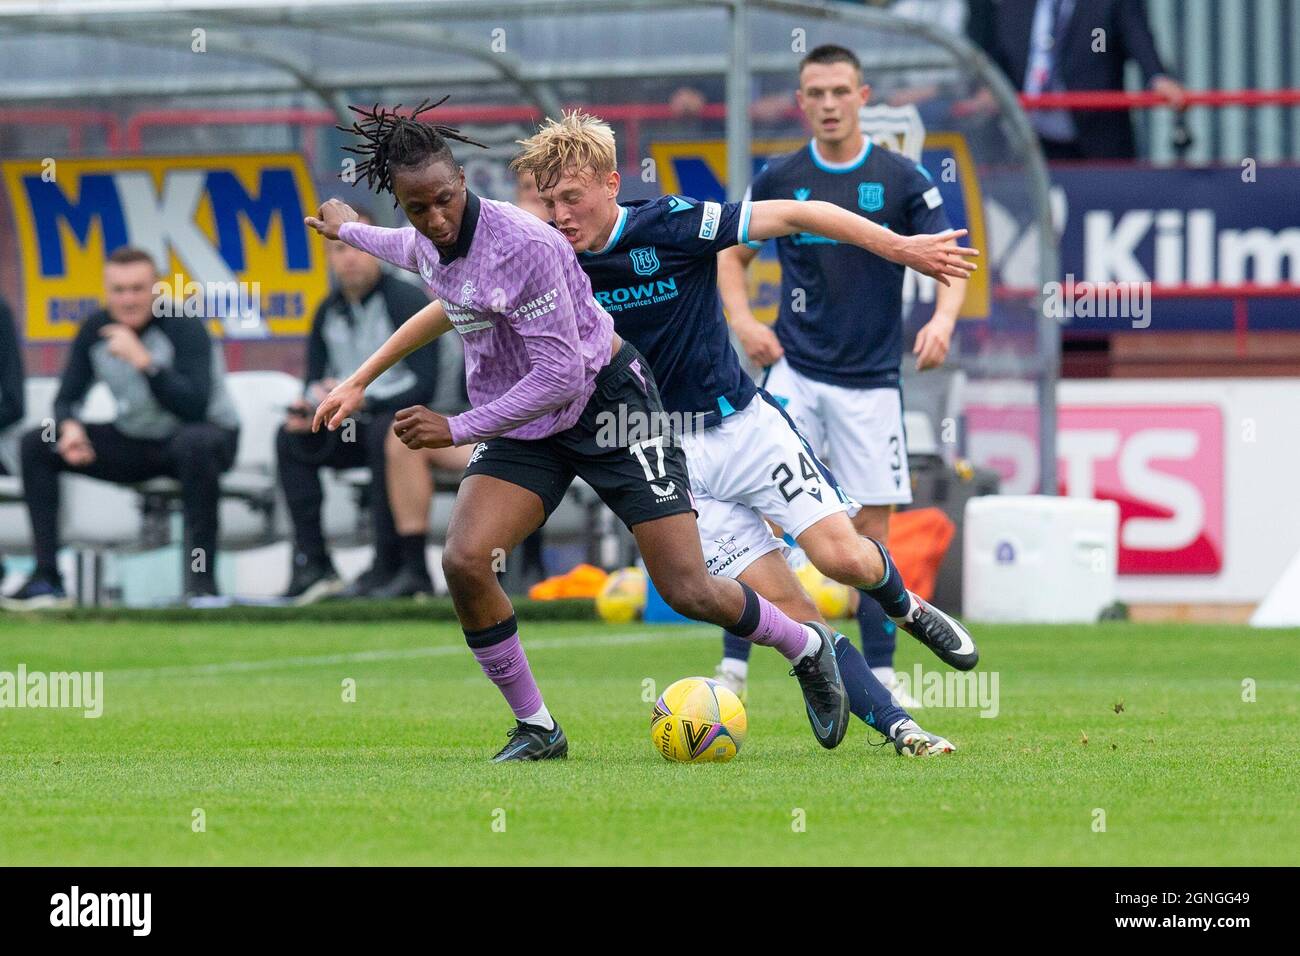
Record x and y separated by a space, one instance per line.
468 223
615 234
844 167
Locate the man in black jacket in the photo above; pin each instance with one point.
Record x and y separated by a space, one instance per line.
174 418
357 317
12 407
1057 46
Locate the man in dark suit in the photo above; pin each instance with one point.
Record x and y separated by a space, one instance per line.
1055 46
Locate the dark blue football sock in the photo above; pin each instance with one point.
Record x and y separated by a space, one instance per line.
890 593
879 634
868 698
737 648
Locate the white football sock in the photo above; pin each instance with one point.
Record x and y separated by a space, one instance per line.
898 726
736 668
911 609
885 675
811 647
541 719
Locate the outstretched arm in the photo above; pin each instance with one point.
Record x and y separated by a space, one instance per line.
337 220
938 256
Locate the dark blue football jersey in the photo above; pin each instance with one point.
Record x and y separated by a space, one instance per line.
658 277
841 314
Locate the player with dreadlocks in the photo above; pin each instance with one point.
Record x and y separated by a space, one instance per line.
544 369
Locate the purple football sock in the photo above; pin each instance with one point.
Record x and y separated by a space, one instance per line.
506 665
762 622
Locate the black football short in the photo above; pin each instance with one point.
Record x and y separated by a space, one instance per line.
620 446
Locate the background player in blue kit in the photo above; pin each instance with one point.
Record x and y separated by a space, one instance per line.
833 358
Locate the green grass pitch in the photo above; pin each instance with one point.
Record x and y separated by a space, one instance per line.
247 722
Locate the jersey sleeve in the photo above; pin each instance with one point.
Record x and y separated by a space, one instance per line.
78 372
540 308
392 245
759 189
707 227
925 212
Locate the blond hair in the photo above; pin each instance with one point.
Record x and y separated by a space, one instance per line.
577 141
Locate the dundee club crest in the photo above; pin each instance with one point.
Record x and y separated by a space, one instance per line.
645 261
871 196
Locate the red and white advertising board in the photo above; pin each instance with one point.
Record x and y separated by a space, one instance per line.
1206 474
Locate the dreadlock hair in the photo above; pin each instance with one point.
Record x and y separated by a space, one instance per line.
390 141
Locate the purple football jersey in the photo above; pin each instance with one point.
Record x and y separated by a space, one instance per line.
534 335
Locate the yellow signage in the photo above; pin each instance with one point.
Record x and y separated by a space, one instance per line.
216 222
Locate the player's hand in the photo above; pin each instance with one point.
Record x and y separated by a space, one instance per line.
938 256
332 214
126 345
759 342
420 427
932 341
340 404
74 445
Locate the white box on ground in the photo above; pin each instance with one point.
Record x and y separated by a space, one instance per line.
1039 559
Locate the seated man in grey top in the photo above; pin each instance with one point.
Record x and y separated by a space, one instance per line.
360 314
174 418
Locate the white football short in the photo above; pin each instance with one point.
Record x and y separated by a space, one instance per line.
857 431
753 465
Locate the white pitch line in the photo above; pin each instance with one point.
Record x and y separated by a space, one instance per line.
397 654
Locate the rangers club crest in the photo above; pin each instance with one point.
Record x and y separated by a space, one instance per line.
645 261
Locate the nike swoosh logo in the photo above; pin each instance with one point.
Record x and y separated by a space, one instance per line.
554 737
965 643
823 730
511 753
